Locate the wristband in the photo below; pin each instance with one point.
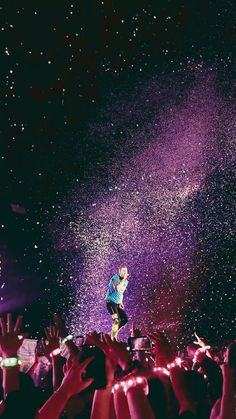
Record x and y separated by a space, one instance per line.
199 350
161 369
118 386
66 339
176 363
130 383
134 382
128 370
10 362
55 352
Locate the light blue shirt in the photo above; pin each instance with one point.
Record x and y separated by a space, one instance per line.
113 294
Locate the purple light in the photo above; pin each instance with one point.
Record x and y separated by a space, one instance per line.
145 214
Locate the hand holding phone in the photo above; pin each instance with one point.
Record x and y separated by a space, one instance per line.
141 343
97 367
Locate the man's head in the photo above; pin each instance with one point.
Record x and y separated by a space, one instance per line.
123 271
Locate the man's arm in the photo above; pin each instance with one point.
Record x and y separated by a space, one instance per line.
121 286
116 282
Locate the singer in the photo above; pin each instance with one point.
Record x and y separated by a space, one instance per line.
114 300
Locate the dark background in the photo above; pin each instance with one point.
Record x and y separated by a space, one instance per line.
58 63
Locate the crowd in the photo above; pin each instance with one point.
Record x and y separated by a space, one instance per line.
106 379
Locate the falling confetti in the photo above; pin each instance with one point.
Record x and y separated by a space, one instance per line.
119 147
160 210
6 51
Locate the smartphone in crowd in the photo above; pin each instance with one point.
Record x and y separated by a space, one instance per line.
79 341
97 367
40 348
141 343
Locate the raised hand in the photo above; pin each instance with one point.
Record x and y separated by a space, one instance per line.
72 384
60 324
228 374
11 339
52 339
69 347
135 331
73 381
230 355
203 346
200 341
112 349
162 348
110 371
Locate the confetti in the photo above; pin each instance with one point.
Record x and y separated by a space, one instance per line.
119 147
160 210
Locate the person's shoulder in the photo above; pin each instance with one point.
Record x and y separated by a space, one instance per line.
115 278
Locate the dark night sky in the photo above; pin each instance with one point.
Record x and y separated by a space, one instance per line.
59 62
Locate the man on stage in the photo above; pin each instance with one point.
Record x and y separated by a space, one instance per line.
114 300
